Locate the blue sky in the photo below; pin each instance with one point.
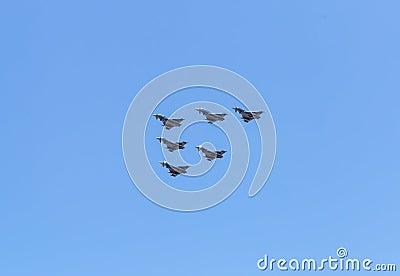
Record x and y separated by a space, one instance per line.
329 71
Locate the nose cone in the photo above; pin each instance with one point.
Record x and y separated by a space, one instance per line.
198 147
163 163
159 138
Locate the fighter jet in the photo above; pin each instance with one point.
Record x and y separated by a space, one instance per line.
174 170
211 117
168 122
210 154
247 116
172 146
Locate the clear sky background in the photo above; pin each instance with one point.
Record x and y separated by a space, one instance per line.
329 71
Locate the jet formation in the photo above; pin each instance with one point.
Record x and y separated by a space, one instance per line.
174 170
211 117
168 122
172 146
208 154
247 116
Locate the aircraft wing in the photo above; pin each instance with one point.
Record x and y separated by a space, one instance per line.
171 149
171 146
247 119
184 167
168 143
178 120
210 155
173 172
211 119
